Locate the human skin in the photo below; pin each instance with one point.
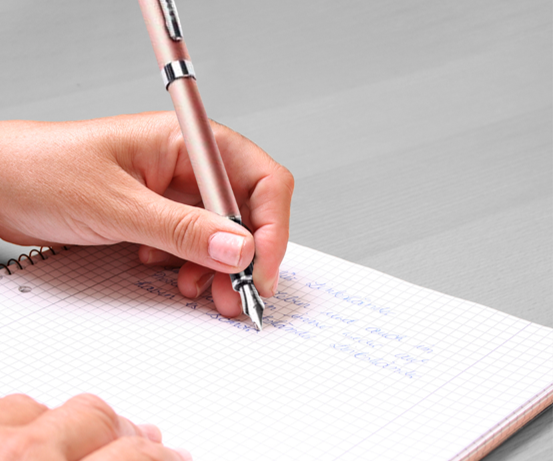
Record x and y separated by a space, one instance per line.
84 428
128 178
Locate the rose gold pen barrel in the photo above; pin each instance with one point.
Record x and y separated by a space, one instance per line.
164 27
209 170
208 166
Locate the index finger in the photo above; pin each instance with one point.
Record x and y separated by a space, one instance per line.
263 189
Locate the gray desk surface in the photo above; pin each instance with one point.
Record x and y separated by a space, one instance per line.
419 133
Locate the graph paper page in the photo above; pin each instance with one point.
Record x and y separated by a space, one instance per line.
352 364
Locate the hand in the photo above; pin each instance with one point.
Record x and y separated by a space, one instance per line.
83 428
128 178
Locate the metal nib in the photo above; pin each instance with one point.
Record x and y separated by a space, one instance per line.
252 304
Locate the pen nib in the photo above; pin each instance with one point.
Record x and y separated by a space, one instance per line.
252 304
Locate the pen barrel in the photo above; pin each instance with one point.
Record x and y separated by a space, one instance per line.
208 166
165 49
209 169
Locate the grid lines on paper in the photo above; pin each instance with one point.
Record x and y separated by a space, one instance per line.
351 361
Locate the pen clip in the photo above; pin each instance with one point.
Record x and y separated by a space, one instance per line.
172 22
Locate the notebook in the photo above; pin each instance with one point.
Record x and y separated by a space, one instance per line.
352 364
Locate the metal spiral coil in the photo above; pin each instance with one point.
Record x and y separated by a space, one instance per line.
29 257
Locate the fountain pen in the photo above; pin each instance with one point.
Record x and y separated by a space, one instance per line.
179 78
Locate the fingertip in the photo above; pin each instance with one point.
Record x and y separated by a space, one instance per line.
275 285
248 252
204 283
155 257
227 301
266 286
194 279
143 253
233 250
270 250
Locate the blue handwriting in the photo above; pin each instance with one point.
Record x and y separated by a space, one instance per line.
335 316
287 298
235 323
308 320
155 290
364 341
163 277
385 334
286 326
352 299
375 361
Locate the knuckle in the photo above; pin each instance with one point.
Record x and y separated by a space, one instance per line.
187 232
219 129
99 410
94 403
175 141
286 178
21 400
17 398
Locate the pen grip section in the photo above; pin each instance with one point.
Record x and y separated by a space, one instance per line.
246 276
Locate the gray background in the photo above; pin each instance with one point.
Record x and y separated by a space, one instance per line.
419 132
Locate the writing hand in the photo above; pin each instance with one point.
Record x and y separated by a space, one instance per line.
128 178
83 428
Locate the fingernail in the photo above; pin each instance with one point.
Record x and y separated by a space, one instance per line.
184 454
204 283
226 248
151 432
157 256
275 286
239 308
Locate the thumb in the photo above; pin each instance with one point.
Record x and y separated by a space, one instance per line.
188 232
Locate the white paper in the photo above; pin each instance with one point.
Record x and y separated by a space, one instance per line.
352 364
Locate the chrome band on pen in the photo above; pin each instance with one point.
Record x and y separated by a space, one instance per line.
173 59
242 278
175 70
246 276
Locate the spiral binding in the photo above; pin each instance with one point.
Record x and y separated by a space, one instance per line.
18 262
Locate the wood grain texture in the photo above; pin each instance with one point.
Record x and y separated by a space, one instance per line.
419 133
